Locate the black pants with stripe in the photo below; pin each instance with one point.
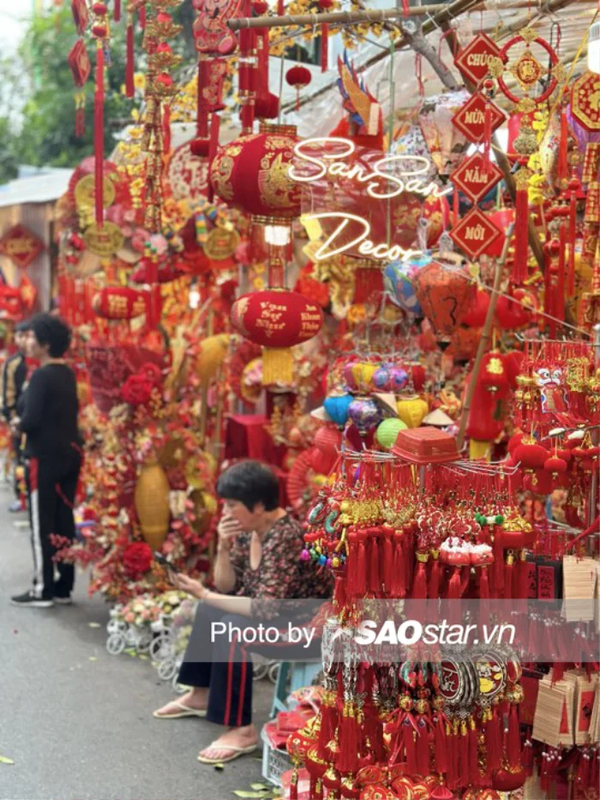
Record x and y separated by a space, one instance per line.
52 487
225 667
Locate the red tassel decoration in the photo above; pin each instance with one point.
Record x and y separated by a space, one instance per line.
452 760
142 13
522 569
519 273
433 588
349 737
328 724
527 760
509 576
419 588
280 8
498 566
559 295
130 59
474 776
374 579
440 745
487 136
166 129
572 239
513 744
398 585
463 750
324 47
351 564
493 741
386 552
117 11
410 749
360 585
99 135
422 746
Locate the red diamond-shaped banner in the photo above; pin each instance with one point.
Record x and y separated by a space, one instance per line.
21 246
474 59
475 178
470 120
474 234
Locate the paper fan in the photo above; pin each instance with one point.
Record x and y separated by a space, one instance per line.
241 362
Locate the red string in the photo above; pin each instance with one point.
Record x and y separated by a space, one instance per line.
130 60
99 135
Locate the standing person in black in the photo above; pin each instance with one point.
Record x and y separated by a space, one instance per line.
53 446
14 375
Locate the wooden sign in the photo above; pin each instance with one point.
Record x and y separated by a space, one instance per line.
475 233
470 120
21 246
475 178
473 60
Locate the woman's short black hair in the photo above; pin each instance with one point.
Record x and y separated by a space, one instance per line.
52 331
250 482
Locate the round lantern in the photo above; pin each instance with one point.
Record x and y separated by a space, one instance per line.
508 780
412 411
475 316
388 430
362 373
336 407
381 378
251 173
298 77
445 293
397 281
365 414
119 302
325 452
277 320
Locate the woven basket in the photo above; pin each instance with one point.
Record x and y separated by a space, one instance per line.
152 503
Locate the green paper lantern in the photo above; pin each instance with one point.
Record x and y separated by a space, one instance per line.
388 430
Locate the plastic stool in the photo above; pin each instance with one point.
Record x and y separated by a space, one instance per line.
302 674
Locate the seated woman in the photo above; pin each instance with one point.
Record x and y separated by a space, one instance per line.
258 560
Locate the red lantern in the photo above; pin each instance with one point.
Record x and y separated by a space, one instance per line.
251 173
530 455
445 293
119 302
325 451
277 320
516 311
298 77
475 316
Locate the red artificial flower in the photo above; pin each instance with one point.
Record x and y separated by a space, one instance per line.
137 390
151 372
137 559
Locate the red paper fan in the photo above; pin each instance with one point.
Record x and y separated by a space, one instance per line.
244 353
298 480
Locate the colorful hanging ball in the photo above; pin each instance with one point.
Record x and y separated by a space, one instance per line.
298 77
398 379
397 281
365 414
381 378
336 406
388 430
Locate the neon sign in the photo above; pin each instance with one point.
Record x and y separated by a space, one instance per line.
380 184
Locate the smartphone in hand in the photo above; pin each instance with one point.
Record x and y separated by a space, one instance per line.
166 564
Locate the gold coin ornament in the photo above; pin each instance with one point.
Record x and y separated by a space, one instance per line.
104 241
85 192
221 244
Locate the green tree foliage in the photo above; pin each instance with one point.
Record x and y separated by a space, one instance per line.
44 131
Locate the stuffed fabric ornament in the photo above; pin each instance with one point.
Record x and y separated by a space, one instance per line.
489 405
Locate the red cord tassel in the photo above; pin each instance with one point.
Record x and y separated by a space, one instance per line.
433 588
130 59
419 588
347 759
167 129
474 776
513 744
142 13
519 273
559 295
572 238
293 793
463 750
386 552
374 579
117 11
422 747
360 576
280 8
493 742
440 742
398 585
408 740
328 726
509 577
452 770
99 135
324 47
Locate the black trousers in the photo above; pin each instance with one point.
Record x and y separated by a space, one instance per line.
225 666
52 487
18 453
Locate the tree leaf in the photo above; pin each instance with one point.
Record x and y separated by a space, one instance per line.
259 787
5 760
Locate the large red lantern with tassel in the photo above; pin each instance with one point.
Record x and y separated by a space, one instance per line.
276 319
119 302
251 173
298 78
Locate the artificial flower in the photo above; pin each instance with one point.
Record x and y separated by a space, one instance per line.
137 559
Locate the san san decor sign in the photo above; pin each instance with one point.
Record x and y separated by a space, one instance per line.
366 203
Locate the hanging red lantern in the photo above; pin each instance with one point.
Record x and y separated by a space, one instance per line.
251 173
276 319
475 316
119 302
445 293
298 78
515 311
327 442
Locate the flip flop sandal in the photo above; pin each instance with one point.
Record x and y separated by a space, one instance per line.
236 752
185 711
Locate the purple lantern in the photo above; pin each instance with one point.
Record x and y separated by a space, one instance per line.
381 378
365 414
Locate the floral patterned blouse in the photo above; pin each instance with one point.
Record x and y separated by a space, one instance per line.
281 574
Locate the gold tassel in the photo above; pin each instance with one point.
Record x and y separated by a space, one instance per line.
278 364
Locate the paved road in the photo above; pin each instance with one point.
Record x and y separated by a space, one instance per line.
82 730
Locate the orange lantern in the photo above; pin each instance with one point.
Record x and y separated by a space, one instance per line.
276 319
445 292
119 302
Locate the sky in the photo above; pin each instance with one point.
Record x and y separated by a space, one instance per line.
12 13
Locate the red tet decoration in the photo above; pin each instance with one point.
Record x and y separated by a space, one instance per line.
119 302
583 105
21 246
470 120
81 15
474 234
473 61
475 178
445 293
277 320
79 62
